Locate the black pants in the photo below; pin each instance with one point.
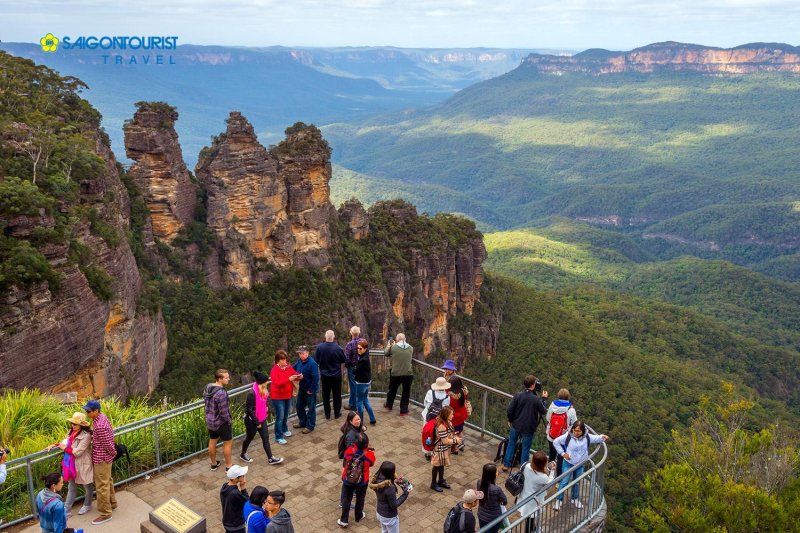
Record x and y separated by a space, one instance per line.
555 457
347 497
251 429
394 384
530 524
332 385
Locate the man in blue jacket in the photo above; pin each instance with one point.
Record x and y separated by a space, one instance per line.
524 413
307 394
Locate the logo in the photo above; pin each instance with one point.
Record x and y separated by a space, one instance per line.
49 43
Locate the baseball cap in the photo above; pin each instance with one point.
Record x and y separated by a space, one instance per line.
236 471
92 405
471 495
302 348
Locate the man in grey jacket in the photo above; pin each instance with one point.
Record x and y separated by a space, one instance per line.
401 374
280 521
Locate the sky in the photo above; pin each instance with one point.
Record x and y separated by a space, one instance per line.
562 24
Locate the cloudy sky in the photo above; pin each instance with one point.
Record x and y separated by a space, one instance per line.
566 24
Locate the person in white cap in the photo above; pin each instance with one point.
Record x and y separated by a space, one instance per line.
233 496
460 518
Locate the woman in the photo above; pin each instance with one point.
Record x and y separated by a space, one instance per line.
255 518
445 438
363 377
386 491
255 418
436 398
449 368
52 514
282 377
458 394
573 447
560 417
76 466
536 480
494 497
358 458
350 430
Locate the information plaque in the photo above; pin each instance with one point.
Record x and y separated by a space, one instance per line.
174 517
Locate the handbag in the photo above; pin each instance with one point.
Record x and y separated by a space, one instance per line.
516 481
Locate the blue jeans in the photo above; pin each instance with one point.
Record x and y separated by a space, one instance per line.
351 381
362 401
527 439
566 479
281 408
307 409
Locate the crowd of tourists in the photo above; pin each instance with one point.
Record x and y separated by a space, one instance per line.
89 453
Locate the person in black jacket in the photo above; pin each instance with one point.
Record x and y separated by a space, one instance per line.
386 490
494 497
255 418
233 496
524 413
363 376
330 358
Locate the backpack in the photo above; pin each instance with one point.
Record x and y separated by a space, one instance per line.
429 435
340 446
516 481
454 521
435 408
122 451
354 468
558 425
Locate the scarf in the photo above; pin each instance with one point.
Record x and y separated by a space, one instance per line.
68 462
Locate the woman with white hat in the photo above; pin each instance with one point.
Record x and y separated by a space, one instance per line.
76 466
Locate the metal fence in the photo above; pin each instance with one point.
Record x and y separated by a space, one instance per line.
163 440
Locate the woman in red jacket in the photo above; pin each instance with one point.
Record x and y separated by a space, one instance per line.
282 378
458 402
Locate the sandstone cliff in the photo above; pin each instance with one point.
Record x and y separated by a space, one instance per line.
672 56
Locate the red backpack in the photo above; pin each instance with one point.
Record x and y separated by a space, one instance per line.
558 425
428 435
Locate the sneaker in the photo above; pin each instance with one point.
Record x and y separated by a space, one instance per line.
404 414
306 431
342 524
504 468
227 467
275 460
363 516
85 509
287 433
216 465
101 520
246 458
281 441
577 504
557 505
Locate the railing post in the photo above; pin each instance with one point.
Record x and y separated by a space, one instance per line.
592 485
31 489
484 408
156 440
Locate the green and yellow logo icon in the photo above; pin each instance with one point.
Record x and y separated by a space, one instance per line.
49 43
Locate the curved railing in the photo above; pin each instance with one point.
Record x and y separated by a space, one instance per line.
176 435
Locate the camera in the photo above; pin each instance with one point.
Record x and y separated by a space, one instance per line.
537 387
4 451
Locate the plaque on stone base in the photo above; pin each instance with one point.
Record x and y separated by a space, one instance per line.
174 517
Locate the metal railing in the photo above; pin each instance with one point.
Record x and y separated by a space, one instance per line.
179 434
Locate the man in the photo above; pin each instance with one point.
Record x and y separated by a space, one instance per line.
233 496
401 374
307 394
461 517
218 418
524 413
280 519
350 360
3 459
103 453
330 358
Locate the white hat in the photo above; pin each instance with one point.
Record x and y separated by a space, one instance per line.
236 471
471 496
440 384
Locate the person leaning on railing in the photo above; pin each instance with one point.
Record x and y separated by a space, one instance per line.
3 459
574 448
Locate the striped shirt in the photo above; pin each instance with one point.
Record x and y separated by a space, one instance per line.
102 440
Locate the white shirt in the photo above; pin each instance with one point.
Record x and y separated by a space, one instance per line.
429 400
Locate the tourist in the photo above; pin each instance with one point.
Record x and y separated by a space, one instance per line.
449 368
536 480
524 413
280 521
435 399
573 447
560 417
330 358
218 418
52 513
445 438
363 376
233 496
350 360
386 491
401 373
103 454
255 418
76 465
306 404
357 460
459 395
282 379
489 508
254 511
3 472
460 517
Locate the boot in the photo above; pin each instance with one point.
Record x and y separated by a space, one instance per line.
444 484
435 486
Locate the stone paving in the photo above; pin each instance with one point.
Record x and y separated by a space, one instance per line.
311 476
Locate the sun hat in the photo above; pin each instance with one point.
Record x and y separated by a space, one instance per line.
449 365
80 419
440 384
471 496
236 471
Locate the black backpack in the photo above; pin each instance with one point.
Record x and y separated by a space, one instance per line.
454 521
516 481
435 408
122 451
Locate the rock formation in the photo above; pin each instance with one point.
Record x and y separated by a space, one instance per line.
355 216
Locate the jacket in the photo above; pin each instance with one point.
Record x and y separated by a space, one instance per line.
280 387
310 370
578 449
250 408
351 353
217 410
534 483
281 523
369 460
459 411
233 501
258 519
401 354
386 491
525 411
52 514
330 358
81 450
363 370
489 506
558 407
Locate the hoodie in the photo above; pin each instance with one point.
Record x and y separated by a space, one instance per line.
233 501
52 514
218 412
558 407
386 491
281 523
